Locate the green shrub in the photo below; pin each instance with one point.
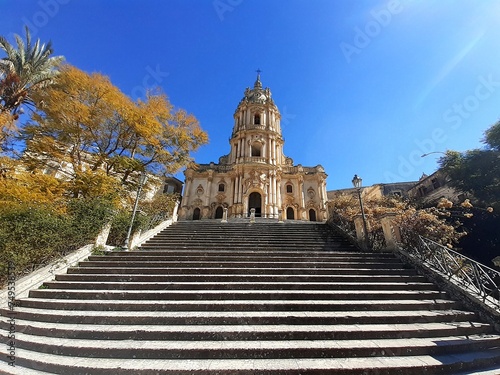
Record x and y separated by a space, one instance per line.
32 236
120 225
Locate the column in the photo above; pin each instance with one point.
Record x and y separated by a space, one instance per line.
240 189
207 195
234 189
186 190
278 192
392 233
273 151
321 188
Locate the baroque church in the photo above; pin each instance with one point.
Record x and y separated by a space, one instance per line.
255 174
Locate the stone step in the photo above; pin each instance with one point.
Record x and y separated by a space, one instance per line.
139 256
408 365
262 237
291 255
238 271
246 264
239 305
241 243
246 332
220 349
169 317
171 278
208 298
242 247
91 284
274 295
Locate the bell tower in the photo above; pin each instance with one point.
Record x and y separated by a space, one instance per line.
256 136
255 175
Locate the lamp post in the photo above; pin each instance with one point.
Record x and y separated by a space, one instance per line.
356 182
142 180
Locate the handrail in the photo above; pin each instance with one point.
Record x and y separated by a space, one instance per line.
479 280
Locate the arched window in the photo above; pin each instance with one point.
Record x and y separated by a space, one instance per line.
222 188
289 188
256 119
256 149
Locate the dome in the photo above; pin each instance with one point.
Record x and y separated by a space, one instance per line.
257 94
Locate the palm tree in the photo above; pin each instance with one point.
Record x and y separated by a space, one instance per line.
24 70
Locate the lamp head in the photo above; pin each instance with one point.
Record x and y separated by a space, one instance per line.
143 178
356 181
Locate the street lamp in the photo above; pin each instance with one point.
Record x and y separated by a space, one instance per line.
356 182
142 180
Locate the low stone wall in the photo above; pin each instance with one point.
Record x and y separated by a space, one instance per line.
20 288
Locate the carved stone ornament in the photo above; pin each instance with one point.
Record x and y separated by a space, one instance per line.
257 179
311 204
311 193
199 190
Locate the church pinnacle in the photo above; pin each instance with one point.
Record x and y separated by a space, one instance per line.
258 83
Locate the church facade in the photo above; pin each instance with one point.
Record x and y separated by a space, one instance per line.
256 173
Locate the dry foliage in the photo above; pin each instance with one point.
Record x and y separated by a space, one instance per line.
429 222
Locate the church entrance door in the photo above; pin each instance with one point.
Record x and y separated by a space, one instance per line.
218 213
312 215
290 215
196 214
255 201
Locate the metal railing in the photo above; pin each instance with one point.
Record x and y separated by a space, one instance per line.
157 219
480 281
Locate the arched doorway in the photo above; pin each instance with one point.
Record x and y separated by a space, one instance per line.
312 215
255 201
196 214
290 214
218 213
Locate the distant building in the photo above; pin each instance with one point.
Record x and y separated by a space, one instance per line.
430 189
256 173
172 185
398 189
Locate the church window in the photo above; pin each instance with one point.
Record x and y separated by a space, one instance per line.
256 119
168 189
256 149
289 188
222 187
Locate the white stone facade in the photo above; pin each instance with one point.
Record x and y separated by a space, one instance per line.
255 173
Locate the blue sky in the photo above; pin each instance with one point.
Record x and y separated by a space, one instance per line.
363 86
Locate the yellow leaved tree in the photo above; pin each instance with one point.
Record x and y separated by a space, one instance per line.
87 124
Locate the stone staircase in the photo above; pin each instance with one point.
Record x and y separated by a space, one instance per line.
205 297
